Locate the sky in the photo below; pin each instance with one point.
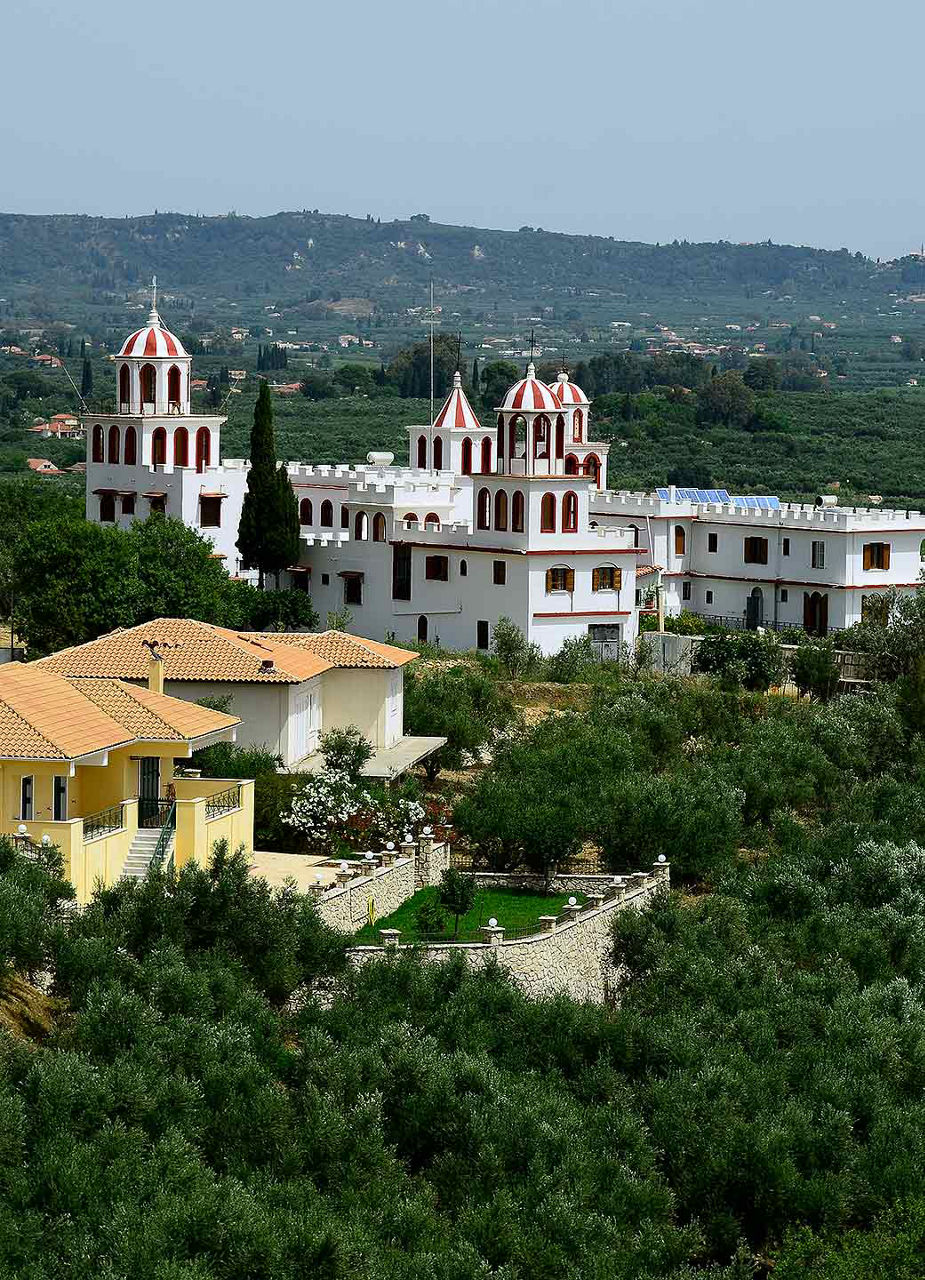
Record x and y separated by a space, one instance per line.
790 120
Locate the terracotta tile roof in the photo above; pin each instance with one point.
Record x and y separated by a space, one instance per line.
47 716
191 651
342 650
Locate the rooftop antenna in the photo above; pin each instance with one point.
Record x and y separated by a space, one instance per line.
430 318
459 351
532 345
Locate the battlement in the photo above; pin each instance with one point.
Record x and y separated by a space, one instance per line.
789 514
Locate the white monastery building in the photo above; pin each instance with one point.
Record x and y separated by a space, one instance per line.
509 520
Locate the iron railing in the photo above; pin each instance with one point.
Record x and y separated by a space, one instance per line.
152 812
223 802
162 858
104 823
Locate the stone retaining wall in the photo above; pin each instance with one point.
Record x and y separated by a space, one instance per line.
567 884
346 908
571 956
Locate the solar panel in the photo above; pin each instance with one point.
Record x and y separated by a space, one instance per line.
757 502
684 494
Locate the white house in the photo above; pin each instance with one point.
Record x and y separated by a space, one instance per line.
510 519
287 688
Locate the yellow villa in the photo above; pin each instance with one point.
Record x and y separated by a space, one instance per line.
89 765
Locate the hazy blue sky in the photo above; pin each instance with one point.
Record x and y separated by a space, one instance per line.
641 119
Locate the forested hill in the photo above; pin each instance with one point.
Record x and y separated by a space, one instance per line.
292 256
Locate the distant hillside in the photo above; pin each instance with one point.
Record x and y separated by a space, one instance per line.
303 257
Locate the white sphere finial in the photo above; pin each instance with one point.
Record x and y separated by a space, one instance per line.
573 902
661 857
492 923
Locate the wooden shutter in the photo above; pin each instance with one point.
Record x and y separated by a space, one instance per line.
570 579
595 579
886 555
867 555
617 579
548 581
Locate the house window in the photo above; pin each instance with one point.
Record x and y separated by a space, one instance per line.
708 597
325 579
327 515
638 597
148 380
785 548
422 629
517 513
107 508
756 551
203 449
437 568
401 571
548 513
784 595
483 515
353 588
680 540
173 388
128 504
124 389
360 526
560 578
712 541
486 456
97 443
181 447
592 467
158 504
113 451
59 798
305 511
210 512
481 634
422 452
159 447
410 520
432 521
499 573
378 527
876 555
463 568
570 513
466 463
501 510
26 798
577 421
130 456
817 555
685 591
606 578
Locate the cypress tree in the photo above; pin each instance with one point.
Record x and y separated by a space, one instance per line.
86 380
255 531
475 375
282 533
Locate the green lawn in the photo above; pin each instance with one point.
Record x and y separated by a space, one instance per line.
517 910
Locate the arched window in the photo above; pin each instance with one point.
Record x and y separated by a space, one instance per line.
486 456
560 578
159 447
327 514
592 467
577 424
107 508
438 453
465 465
173 387
635 529
148 380
361 526
125 388
548 513
500 440
483 514
422 451
606 578
432 521
463 568
130 456
112 452
203 448
680 540
410 521
541 437
422 630
305 511
560 436
344 516
571 465
378 527
570 512
181 447
97 443
500 509
517 512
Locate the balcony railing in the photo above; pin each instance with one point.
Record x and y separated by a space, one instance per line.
104 823
223 802
153 813
162 858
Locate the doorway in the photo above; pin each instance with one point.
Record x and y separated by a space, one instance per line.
815 613
149 791
754 610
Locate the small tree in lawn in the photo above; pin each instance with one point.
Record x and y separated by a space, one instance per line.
345 750
457 894
430 916
512 648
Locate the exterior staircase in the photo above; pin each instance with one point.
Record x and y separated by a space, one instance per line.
142 851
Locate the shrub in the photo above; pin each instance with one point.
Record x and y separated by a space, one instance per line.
346 750
513 650
814 668
749 658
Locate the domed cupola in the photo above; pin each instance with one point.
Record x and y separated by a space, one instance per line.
531 429
531 395
568 393
153 370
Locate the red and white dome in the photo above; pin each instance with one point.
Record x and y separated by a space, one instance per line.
153 340
568 393
531 395
457 412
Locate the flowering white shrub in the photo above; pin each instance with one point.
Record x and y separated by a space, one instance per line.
336 812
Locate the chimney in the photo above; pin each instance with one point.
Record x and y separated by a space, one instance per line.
155 671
